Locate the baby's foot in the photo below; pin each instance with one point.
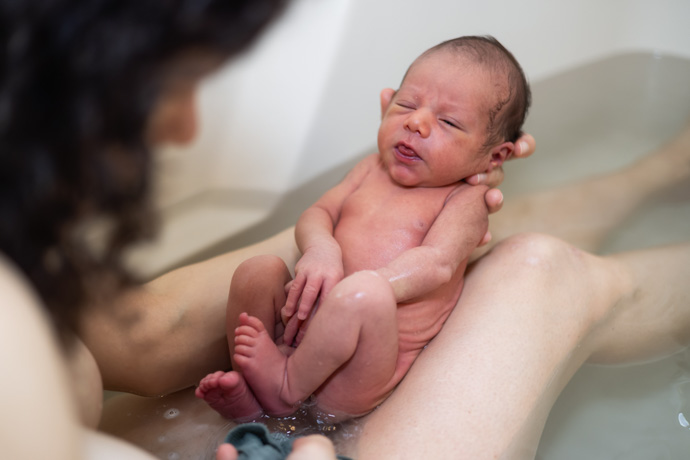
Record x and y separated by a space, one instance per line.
263 365
228 394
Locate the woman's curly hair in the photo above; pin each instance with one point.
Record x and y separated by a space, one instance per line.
78 82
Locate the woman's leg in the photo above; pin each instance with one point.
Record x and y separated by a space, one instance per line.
584 213
653 319
532 312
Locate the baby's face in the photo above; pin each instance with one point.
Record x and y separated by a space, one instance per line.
434 127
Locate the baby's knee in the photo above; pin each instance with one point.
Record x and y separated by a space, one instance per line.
263 267
364 294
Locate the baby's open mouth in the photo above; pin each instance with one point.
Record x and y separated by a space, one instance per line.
406 152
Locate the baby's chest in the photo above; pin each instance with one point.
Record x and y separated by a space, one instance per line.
381 210
377 224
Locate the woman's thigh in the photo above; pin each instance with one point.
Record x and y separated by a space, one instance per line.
484 386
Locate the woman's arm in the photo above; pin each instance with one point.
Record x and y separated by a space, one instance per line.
167 334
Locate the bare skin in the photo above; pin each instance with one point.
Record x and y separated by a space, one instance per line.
634 308
405 216
521 361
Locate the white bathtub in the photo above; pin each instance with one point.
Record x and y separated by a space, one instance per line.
305 99
599 117
611 80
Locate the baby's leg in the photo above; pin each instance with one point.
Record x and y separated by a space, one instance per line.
257 287
584 213
352 342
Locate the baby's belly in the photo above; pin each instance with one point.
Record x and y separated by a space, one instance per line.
420 321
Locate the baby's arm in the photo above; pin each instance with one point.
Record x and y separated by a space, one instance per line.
321 265
455 233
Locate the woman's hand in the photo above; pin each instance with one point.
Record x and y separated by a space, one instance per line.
524 147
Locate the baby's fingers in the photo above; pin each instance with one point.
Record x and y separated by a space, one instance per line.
291 329
328 284
293 295
309 295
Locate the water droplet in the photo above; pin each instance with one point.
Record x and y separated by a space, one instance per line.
683 421
171 413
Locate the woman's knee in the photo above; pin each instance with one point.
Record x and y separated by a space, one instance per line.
587 284
538 252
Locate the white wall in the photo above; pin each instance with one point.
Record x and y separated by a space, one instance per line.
305 99
257 111
384 36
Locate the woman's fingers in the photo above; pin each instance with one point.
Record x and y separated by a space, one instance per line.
525 146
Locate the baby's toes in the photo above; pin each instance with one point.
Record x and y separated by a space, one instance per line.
254 322
246 331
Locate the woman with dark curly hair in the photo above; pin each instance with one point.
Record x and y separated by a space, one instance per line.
83 99
88 88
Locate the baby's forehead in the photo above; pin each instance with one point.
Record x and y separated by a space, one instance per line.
450 60
442 63
462 76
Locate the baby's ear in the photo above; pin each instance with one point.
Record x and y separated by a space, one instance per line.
386 98
501 153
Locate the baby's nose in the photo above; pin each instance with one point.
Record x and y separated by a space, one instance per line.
419 122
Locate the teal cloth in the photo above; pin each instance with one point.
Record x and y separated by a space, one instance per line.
253 441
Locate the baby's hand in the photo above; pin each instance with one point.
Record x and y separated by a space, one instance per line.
292 327
315 274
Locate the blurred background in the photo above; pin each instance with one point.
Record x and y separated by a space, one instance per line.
282 123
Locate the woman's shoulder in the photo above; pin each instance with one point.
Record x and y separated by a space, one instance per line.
21 314
22 318
14 287
38 399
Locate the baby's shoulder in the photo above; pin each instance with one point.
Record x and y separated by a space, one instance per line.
464 190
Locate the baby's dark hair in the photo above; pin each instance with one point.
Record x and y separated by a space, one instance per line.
78 82
508 114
